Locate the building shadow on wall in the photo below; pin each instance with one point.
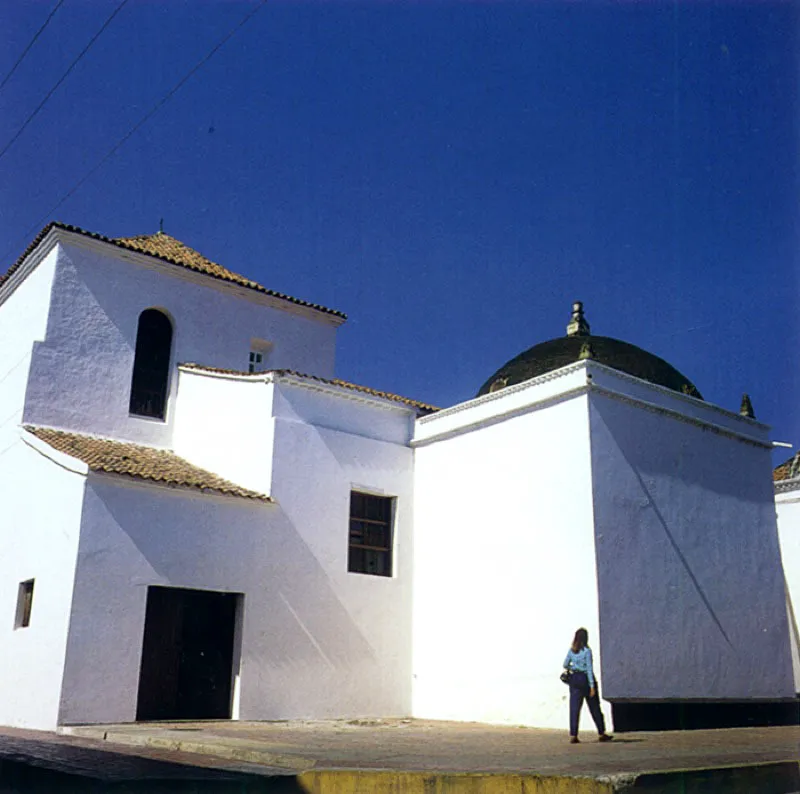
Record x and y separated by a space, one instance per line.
303 630
673 594
681 556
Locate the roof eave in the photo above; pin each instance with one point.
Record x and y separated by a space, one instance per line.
56 230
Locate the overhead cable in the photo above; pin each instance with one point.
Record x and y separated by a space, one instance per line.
144 119
62 78
30 44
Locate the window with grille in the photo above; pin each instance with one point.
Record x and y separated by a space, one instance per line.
24 604
370 547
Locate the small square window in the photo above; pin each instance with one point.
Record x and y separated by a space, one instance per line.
260 351
24 605
370 545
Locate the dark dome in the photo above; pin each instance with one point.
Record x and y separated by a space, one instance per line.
557 353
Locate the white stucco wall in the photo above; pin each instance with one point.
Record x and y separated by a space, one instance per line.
133 536
690 583
223 423
41 494
787 504
23 322
81 372
356 658
504 569
316 641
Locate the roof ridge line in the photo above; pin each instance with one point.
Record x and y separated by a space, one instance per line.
229 276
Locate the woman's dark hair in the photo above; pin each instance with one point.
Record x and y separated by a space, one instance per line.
581 640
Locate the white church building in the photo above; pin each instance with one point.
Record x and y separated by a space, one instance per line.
199 521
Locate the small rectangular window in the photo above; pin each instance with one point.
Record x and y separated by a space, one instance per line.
260 350
256 359
24 605
370 545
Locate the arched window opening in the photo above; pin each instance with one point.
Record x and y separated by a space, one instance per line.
151 365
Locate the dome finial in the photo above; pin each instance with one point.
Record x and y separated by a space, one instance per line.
577 324
587 352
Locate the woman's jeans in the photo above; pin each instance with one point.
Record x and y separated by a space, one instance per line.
578 691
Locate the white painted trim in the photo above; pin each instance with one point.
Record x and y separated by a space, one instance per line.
695 401
589 387
586 364
310 383
691 420
530 407
30 263
376 401
252 377
782 486
61 459
517 387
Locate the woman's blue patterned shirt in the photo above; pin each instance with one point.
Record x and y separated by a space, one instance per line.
581 662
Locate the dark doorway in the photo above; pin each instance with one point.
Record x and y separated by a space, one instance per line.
187 655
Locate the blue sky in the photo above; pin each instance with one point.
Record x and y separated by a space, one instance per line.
450 174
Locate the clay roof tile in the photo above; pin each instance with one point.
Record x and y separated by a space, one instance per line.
141 462
170 250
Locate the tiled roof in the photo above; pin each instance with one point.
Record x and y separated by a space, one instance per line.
788 470
168 249
424 407
134 460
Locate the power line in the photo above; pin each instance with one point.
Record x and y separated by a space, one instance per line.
147 116
62 78
30 44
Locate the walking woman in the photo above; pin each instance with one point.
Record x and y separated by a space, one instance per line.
583 685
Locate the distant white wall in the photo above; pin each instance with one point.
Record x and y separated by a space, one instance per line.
504 568
690 581
81 373
788 508
316 640
41 503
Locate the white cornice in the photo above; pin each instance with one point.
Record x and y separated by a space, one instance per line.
782 486
248 377
681 417
309 383
574 367
589 387
502 416
687 398
498 395
331 389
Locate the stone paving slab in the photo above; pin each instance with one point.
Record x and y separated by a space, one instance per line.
420 745
101 761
